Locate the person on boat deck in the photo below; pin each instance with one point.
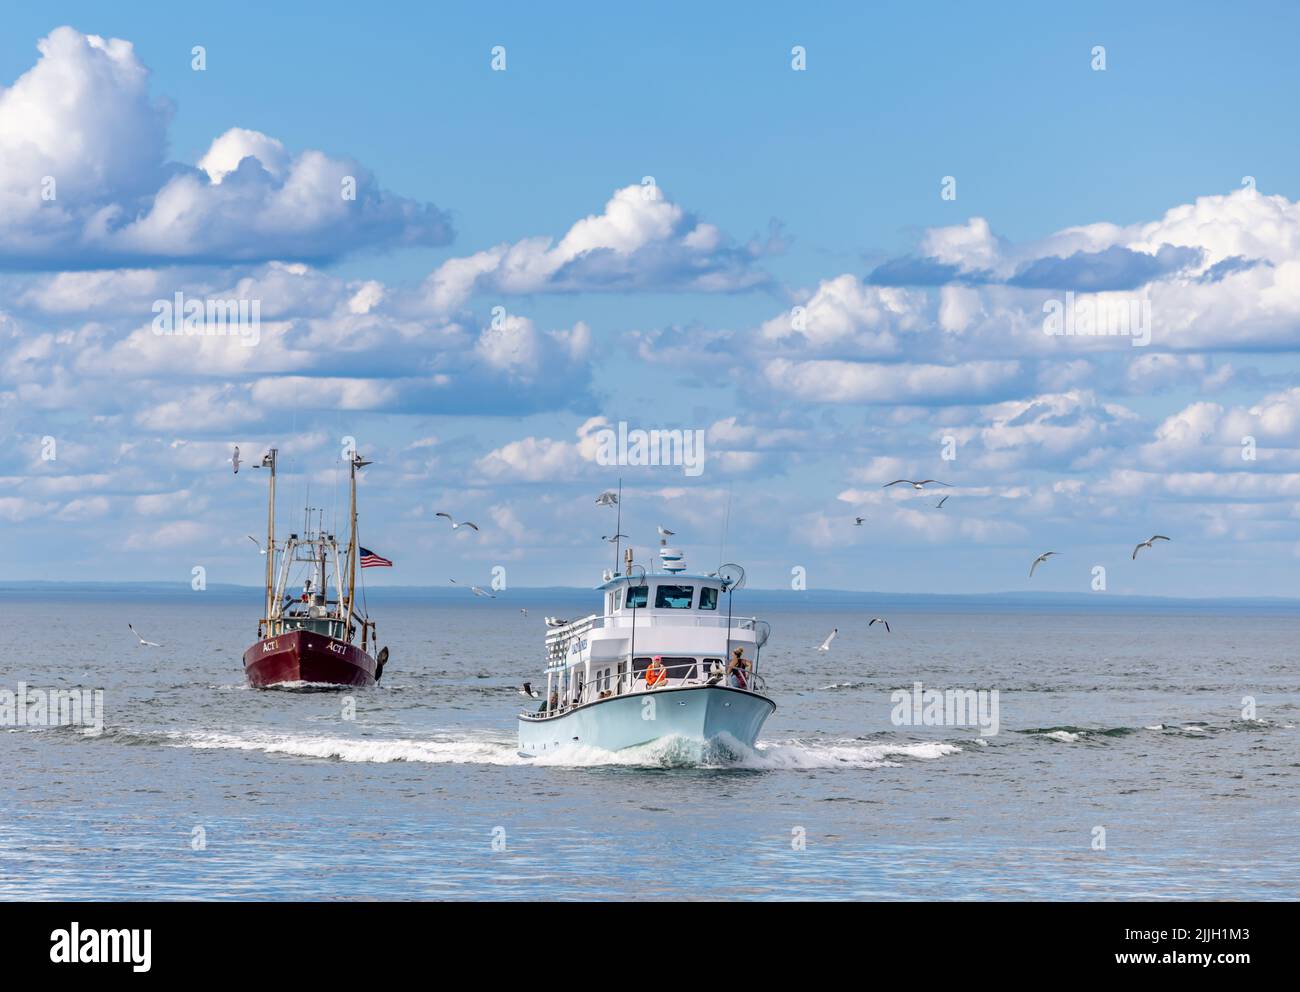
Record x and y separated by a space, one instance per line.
656 674
738 669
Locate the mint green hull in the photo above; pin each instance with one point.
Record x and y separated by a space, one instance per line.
695 713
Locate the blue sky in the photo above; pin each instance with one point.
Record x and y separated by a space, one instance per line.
776 189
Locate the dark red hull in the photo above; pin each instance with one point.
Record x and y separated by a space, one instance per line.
301 656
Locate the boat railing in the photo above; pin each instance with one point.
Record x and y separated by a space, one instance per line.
631 683
658 618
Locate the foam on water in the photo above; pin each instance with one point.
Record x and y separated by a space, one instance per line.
670 752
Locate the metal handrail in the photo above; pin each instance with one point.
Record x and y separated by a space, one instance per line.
635 685
662 618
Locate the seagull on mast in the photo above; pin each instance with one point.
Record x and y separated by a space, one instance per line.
665 533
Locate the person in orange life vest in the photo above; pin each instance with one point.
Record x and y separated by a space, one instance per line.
656 674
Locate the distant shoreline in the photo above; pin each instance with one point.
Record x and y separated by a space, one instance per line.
526 596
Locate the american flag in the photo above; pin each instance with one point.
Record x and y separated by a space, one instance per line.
371 560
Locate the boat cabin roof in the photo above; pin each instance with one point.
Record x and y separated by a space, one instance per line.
673 578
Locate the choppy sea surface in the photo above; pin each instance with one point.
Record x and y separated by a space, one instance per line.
1127 764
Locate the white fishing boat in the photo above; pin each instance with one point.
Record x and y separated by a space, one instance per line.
659 661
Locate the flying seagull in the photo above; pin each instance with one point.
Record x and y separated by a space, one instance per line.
1147 544
523 610
529 691
826 644
234 460
143 642
876 620
939 505
857 521
665 533
257 542
916 485
607 498
1039 560
476 590
454 525
613 537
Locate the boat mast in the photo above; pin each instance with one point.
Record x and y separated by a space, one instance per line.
618 526
269 462
357 462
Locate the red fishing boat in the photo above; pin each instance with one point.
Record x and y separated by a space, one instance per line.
310 637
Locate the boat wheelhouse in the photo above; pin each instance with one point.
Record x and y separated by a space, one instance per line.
605 688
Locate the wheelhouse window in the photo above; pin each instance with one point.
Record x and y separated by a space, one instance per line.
680 668
675 668
673 597
708 598
636 597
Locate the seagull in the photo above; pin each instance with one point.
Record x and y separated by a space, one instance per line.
607 498
476 590
234 459
529 691
612 538
1147 544
257 542
143 642
826 644
555 622
939 505
1039 560
454 525
665 533
916 485
523 610
857 521
876 620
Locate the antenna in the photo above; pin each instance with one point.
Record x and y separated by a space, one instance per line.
726 526
733 577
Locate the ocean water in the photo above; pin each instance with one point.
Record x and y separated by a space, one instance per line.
1126 723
